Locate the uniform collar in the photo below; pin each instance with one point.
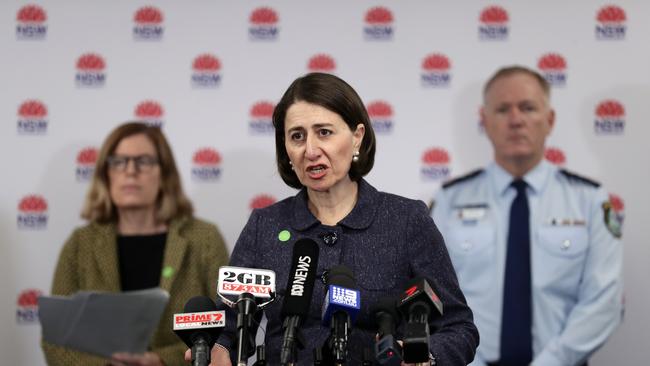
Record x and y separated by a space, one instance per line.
536 178
360 217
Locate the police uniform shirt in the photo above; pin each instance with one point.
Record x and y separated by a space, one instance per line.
576 258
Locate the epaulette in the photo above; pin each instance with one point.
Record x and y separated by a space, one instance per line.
579 178
462 178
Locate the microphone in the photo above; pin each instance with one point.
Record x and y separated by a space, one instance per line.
199 327
387 350
250 284
342 303
418 303
300 287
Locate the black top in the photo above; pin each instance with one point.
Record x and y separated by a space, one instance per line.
140 258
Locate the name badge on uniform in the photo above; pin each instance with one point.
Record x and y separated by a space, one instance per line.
471 214
565 222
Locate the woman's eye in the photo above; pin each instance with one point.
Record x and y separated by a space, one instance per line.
296 136
325 132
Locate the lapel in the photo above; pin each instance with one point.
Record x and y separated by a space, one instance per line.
174 253
106 256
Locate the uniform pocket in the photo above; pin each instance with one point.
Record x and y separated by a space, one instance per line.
564 241
469 240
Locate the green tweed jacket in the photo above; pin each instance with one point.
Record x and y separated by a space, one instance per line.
88 261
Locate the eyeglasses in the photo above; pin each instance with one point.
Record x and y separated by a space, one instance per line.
143 163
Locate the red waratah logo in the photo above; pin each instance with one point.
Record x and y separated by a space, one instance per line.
435 164
206 165
617 203
381 116
29 298
436 62
610 118
435 70
264 16
32 109
379 16
553 67
321 63
206 71
32 117
91 62
206 156
148 15
380 109
610 108
149 109
31 22
611 23
555 155
31 14
32 204
27 306
494 15
206 63
261 114
87 156
262 109
435 156
611 14
261 201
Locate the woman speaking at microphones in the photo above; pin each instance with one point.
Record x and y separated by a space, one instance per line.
325 145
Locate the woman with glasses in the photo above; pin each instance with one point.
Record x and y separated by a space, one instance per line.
141 234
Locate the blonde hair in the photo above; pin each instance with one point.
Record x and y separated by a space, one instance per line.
171 202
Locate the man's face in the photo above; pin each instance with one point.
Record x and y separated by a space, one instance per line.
517 118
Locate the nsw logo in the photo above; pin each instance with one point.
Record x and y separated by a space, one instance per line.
31 23
32 213
86 159
610 118
379 24
261 121
435 164
90 71
263 24
205 71
206 165
435 71
150 112
618 205
148 24
381 117
493 24
27 306
261 201
555 155
610 23
553 68
321 63
32 118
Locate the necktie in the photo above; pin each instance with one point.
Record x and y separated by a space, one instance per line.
516 321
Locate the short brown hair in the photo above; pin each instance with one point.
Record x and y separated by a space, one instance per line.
334 94
517 69
171 201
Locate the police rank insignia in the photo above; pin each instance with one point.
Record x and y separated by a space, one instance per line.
612 221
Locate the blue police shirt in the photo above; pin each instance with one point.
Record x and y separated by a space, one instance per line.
576 259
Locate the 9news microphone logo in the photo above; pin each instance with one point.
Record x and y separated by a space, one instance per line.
239 280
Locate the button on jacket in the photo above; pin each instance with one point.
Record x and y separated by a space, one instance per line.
576 258
385 241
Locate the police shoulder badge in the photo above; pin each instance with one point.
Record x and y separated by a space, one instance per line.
612 221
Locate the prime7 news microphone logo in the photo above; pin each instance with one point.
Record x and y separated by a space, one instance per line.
206 319
239 280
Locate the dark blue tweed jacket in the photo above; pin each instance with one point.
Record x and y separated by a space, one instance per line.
386 240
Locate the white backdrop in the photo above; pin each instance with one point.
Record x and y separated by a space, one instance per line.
210 71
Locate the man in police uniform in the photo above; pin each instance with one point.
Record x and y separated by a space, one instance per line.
536 248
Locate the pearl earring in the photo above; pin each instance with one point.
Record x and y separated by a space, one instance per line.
355 156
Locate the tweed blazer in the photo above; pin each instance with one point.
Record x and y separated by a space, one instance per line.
89 261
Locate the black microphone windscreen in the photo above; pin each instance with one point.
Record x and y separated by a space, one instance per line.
302 276
386 305
342 276
199 304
